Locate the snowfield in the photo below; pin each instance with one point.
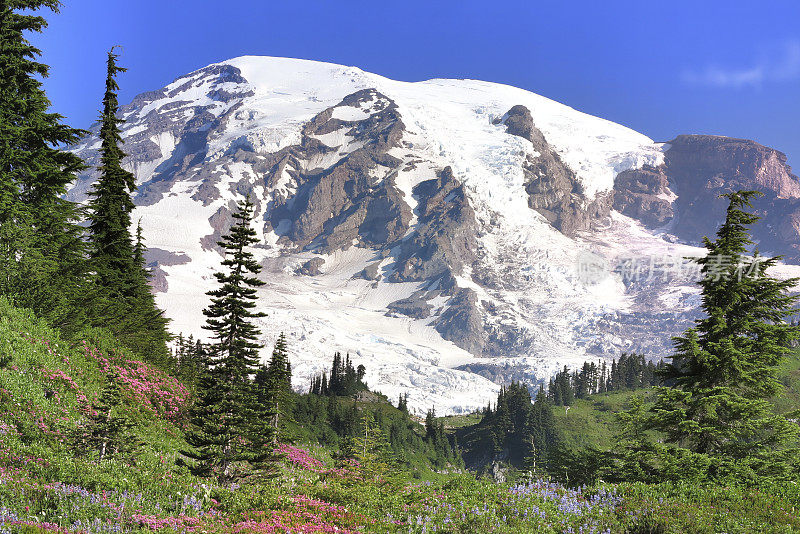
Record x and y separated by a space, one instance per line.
453 123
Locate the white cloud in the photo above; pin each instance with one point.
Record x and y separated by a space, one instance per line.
774 63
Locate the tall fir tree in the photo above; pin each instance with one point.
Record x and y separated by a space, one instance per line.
541 433
129 307
110 203
230 315
42 253
227 427
723 372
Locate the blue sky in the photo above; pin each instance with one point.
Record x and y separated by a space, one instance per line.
662 68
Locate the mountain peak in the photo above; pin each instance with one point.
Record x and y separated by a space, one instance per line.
436 230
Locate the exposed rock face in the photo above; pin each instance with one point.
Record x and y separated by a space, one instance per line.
707 160
644 194
220 222
462 322
156 259
415 306
443 241
370 272
182 138
312 267
552 187
442 244
702 167
355 200
337 188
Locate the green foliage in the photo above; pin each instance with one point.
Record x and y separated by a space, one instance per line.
45 262
273 408
446 451
42 263
50 391
45 485
146 328
518 431
345 379
127 304
189 359
715 416
229 317
105 430
629 372
274 386
110 203
91 437
228 424
336 421
370 449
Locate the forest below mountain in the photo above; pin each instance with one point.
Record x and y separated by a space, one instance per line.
109 423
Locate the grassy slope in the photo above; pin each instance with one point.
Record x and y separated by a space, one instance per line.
45 487
592 421
790 377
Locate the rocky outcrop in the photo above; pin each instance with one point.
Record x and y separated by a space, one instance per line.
708 161
698 169
462 323
156 259
312 267
220 222
442 243
704 167
354 200
644 194
370 272
552 187
416 306
444 237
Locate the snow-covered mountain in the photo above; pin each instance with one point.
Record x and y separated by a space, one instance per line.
448 234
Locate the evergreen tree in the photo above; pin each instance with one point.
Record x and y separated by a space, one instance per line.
345 380
402 403
274 383
335 380
562 390
190 357
42 253
370 448
149 322
212 434
541 434
434 432
110 203
524 431
603 385
227 423
229 317
129 309
105 430
724 368
323 387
